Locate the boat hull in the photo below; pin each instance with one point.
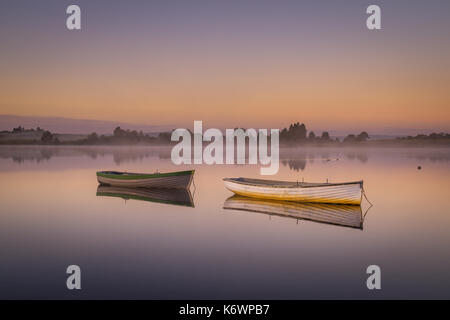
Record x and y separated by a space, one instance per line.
180 179
345 193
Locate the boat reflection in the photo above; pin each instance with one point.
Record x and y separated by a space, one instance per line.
180 197
334 214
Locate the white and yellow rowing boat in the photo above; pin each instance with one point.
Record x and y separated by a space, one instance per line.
338 193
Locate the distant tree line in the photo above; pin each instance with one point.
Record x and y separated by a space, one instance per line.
125 136
22 129
297 134
119 136
431 137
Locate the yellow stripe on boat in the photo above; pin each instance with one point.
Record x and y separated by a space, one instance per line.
338 193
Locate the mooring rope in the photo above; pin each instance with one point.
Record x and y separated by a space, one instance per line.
365 213
365 196
195 188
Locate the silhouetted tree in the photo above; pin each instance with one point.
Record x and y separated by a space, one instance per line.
363 136
295 134
325 136
164 137
118 132
311 136
350 138
92 138
47 137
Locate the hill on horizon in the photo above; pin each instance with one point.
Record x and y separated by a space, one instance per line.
74 126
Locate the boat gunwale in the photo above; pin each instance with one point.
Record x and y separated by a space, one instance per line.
138 176
288 184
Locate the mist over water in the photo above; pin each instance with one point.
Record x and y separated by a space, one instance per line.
52 217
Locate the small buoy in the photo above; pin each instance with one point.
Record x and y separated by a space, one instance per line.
419 168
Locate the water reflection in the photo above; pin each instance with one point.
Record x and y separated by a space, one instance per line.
362 157
295 165
339 215
120 154
180 197
296 159
180 252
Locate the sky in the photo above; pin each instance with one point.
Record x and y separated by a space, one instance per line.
261 64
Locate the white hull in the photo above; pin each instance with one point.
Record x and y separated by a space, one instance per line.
337 193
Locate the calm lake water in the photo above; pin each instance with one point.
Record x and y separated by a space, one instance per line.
52 217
